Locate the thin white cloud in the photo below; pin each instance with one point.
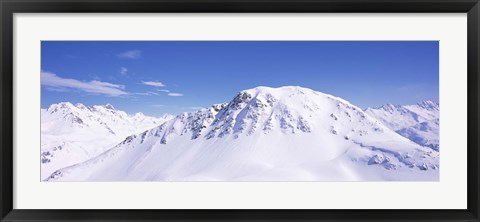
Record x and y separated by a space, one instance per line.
195 107
54 82
106 84
56 89
163 90
158 105
175 94
149 93
153 83
132 54
123 71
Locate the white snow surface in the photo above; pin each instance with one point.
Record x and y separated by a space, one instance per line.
264 134
72 134
419 123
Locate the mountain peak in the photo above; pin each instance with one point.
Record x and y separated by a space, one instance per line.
139 114
286 95
286 110
80 106
61 106
389 107
428 104
276 91
109 106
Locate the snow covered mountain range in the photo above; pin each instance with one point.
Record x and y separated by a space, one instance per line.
267 134
419 122
72 134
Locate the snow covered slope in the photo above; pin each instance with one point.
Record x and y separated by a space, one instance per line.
419 122
264 134
74 133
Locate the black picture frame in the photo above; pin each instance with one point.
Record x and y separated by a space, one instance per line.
9 7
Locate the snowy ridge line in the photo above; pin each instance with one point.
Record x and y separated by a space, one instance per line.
74 133
109 153
419 123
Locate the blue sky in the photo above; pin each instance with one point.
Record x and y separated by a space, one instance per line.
157 77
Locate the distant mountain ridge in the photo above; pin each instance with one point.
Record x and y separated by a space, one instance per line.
264 134
74 133
419 122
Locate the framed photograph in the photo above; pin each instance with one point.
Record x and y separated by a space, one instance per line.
239 110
